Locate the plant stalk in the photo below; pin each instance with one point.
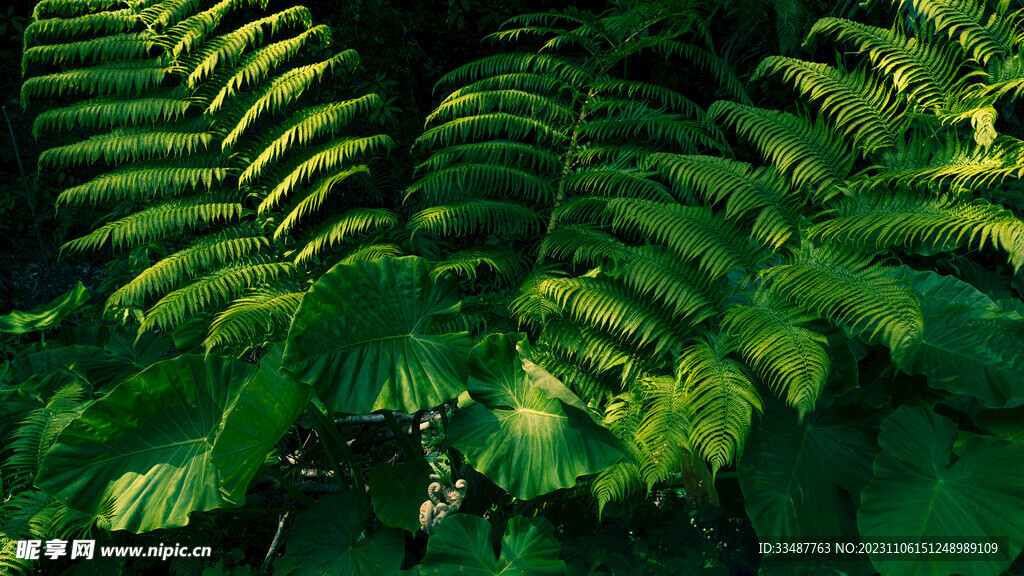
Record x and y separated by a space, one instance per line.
327 427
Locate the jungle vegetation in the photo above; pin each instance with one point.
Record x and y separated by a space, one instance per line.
631 290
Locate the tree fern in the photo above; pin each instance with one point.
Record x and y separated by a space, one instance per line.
209 131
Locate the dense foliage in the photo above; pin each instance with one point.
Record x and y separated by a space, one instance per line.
643 303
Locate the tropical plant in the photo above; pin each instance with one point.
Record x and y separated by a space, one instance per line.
664 298
207 140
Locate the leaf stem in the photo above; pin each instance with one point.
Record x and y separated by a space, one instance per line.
326 427
403 438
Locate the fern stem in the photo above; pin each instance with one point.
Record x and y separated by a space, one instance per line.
24 182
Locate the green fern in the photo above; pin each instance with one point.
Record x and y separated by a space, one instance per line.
212 135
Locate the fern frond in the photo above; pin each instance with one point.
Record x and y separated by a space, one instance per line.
792 359
262 62
883 220
131 46
330 157
369 252
507 265
259 316
693 233
148 180
614 182
516 102
660 96
864 110
492 125
302 129
810 153
211 290
964 21
745 190
313 199
848 288
205 252
583 244
496 152
959 164
69 8
55 30
925 71
120 78
123 145
495 216
518 63
227 48
183 35
337 229
608 306
110 112
720 398
494 180
593 350
171 217
286 88
167 13
660 277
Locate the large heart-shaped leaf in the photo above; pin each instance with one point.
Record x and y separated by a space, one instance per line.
919 492
47 316
146 446
361 336
794 477
267 406
802 482
462 547
398 491
327 540
970 346
527 432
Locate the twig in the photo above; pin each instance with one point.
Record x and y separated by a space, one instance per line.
268 562
24 181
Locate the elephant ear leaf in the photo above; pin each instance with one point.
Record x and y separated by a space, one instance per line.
970 345
527 432
264 411
462 547
144 453
330 539
362 337
919 491
43 317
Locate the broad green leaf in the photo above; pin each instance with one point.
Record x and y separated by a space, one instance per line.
361 336
526 432
801 482
43 317
969 345
328 540
1007 423
264 411
462 547
398 491
146 445
795 478
919 492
